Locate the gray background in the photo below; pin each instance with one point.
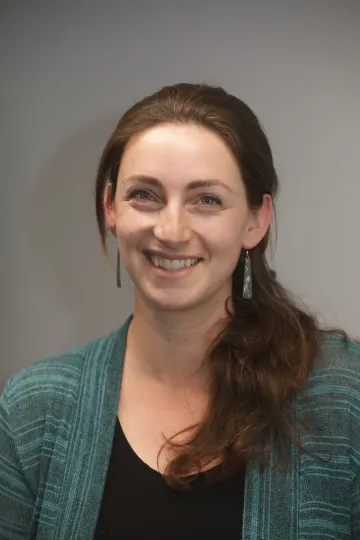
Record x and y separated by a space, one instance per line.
68 71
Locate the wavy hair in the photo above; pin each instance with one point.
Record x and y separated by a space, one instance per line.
262 357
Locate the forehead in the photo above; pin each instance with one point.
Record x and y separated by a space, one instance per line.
181 151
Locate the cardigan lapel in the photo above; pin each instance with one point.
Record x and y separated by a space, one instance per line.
271 500
91 438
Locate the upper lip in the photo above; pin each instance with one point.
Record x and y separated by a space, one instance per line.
170 257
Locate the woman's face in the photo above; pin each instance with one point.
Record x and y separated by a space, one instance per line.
181 217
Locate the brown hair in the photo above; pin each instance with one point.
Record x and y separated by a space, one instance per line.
263 357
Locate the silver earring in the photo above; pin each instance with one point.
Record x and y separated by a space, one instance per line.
118 275
247 287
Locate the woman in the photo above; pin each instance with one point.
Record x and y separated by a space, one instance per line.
219 409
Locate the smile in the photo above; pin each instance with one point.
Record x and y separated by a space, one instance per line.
171 264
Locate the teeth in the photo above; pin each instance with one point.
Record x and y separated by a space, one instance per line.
172 265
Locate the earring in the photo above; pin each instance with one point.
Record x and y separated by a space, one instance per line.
247 287
118 276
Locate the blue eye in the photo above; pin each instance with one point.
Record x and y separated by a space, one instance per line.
141 195
214 201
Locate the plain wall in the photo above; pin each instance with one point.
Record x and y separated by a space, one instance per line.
69 70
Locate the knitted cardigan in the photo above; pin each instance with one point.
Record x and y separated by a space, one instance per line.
57 420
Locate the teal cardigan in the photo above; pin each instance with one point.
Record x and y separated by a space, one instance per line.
57 420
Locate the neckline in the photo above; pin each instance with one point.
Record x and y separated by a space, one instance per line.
120 435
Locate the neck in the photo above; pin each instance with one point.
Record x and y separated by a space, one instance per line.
170 346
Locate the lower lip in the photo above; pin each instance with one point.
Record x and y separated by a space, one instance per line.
161 272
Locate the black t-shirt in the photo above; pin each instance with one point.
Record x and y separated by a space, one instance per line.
137 503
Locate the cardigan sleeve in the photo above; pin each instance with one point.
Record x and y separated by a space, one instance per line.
17 499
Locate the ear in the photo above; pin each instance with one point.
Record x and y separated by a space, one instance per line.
109 209
259 223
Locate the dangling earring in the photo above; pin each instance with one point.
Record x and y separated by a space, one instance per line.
247 287
118 276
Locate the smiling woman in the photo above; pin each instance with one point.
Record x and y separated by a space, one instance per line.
220 408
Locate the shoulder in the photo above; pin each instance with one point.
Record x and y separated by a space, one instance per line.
334 387
53 382
56 376
337 367
338 359
38 407
40 404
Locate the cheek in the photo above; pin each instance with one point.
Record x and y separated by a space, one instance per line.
131 229
226 245
226 237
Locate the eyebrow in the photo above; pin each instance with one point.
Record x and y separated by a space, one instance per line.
194 184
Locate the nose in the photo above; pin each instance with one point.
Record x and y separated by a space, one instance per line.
172 226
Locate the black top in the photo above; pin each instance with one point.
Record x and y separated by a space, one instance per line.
138 504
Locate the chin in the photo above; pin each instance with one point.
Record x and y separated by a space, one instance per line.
167 303
173 306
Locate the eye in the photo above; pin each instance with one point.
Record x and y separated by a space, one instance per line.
141 195
210 200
